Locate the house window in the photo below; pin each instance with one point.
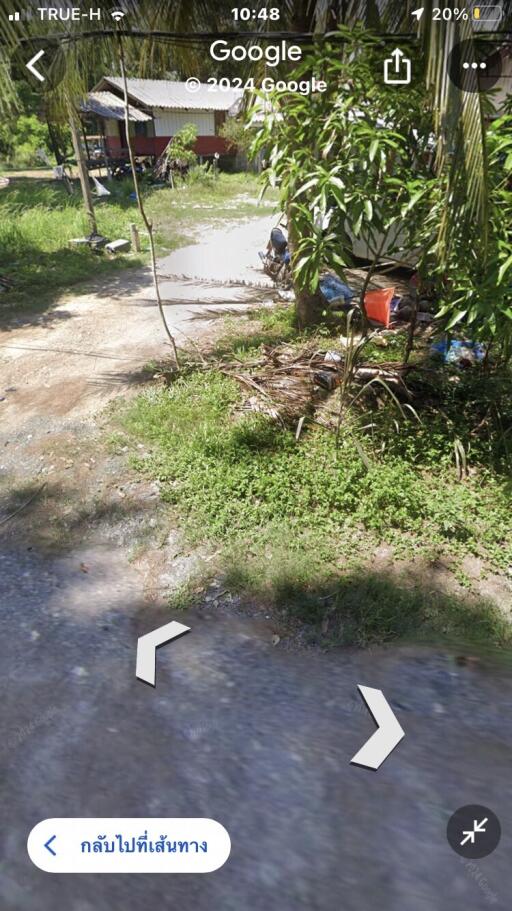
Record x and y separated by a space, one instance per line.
141 129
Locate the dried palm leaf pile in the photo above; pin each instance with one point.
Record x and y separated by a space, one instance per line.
290 384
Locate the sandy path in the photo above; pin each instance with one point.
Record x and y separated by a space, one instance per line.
90 347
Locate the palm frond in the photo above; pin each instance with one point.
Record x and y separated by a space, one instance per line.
460 131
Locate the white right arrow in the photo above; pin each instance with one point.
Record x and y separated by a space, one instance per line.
388 735
30 65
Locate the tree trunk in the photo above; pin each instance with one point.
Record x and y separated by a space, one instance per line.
410 333
309 305
83 173
54 143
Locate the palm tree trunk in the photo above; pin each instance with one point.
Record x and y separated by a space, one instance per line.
82 171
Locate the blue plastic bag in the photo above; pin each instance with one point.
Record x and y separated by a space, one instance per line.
460 352
333 289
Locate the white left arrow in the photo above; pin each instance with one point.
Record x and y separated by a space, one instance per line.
30 66
147 646
388 735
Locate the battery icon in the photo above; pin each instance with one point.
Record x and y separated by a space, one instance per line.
487 13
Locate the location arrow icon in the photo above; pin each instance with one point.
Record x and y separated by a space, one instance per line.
147 646
387 736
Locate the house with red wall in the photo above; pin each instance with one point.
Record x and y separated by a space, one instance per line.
158 108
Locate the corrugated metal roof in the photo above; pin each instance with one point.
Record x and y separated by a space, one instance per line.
165 93
105 104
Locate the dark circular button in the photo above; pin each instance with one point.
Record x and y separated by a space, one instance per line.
473 831
474 66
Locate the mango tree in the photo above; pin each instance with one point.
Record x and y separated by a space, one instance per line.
351 163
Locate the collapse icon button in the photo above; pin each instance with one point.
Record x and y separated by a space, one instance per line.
473 831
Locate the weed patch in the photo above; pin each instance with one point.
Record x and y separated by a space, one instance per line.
38 218
296 518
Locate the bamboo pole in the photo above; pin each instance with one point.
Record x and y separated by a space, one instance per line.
145 219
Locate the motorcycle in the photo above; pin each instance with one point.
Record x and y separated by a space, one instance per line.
276 259
277 265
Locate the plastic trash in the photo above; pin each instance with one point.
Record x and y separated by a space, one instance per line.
333 289
378 305
100 189
326 380
459 352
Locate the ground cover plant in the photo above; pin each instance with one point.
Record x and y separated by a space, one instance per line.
38 218
296 521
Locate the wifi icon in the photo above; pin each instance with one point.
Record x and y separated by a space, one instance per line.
117 14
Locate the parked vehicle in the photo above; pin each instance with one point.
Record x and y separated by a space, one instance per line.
277 265
276 258
122 168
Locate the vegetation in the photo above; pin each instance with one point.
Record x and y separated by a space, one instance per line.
298 521
349 162
26 145
358 161
27 140
477 288
237 134
180 149
308 515
38 218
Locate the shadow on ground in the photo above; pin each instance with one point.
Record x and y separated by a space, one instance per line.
50 277
56 518
368 607
363 607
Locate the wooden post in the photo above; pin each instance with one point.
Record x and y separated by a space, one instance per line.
82 172
135 238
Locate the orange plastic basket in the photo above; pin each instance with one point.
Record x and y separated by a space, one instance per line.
378 305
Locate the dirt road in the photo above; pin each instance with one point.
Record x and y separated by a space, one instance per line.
90 347
256 735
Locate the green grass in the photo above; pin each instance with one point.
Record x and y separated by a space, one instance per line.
38 218
363 607
296 521
262 327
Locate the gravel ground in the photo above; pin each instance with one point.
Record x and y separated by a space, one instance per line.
256 735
